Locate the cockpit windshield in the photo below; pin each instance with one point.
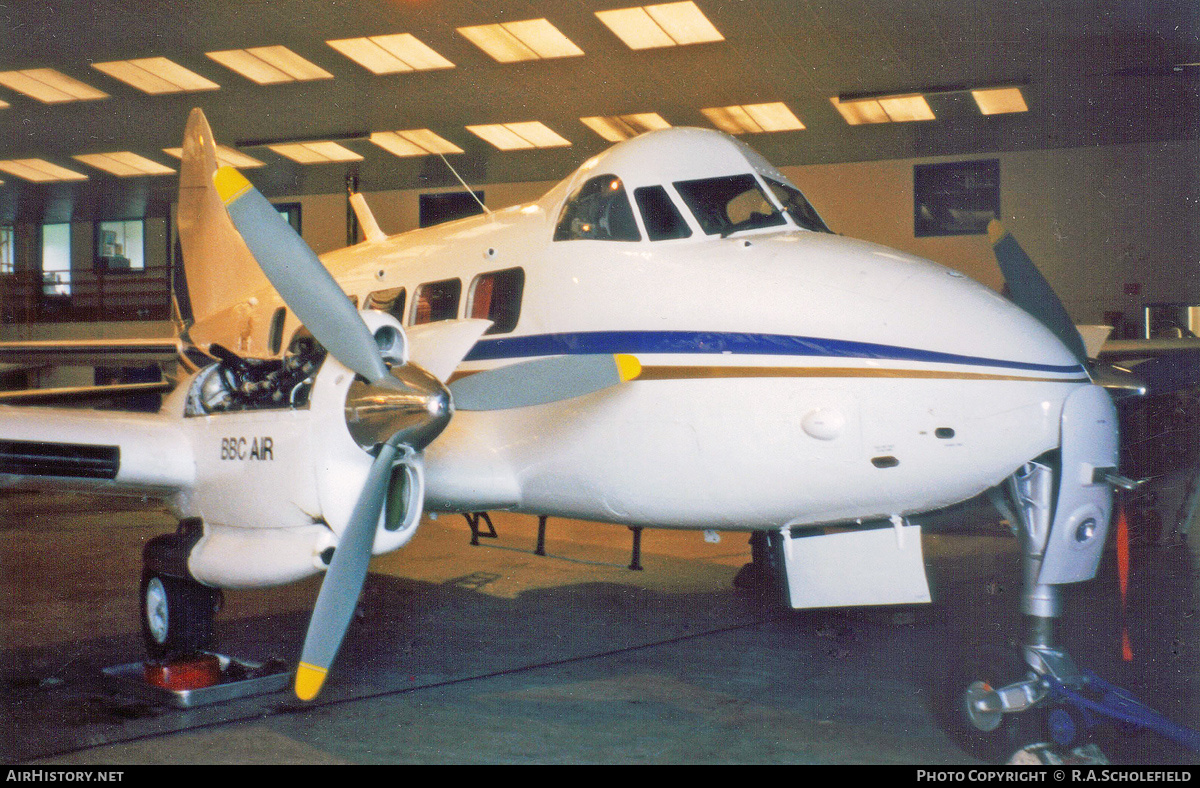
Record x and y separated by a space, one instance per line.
599 210
798 207
728 204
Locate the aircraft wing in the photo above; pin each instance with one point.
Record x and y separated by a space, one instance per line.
1126 349
105 451
117 352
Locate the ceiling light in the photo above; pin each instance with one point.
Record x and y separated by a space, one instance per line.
517 136
532 39
124 164
662 25
269 65
416 142
884 109
390 54
901 109
315 152
156 75
616 128
753 118
996 101
226 156
40 171
49 86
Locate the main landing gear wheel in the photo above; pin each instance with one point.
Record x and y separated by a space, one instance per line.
990 735
177 615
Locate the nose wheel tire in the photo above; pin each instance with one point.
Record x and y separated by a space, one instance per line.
177 615
989 735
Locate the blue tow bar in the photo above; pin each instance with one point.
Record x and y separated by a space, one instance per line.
1113 703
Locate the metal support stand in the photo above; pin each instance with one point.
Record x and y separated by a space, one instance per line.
636 563
473 519
541 543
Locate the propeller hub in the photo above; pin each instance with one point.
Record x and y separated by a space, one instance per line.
409 407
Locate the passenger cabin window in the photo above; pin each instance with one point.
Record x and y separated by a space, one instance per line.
798 207
662 219
390 301
436 301
599 211
729 204
497 297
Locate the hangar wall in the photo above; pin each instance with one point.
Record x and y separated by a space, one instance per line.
1093 219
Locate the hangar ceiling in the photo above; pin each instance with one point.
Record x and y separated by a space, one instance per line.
1092 72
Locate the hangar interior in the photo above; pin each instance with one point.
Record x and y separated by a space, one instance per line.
884 113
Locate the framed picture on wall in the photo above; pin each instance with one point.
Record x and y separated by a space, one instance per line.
955 198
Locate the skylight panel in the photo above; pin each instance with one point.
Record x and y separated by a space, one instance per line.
661 25
415 142
156 75
40 171
884 109
510 42
315 152
616 128
49 86
753 118
997 101
518 136
124 164
391 54
270 65
226 156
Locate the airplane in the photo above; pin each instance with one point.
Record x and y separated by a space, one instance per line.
671 338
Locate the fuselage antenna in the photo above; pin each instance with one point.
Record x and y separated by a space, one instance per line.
470 191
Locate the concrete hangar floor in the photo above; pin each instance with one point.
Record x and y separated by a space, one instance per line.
494 654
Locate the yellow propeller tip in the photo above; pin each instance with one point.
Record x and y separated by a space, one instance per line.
309 679
996 231
628 367
230 184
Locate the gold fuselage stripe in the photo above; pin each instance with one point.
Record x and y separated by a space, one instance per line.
702 372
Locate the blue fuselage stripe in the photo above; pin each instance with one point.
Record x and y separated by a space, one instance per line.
718 343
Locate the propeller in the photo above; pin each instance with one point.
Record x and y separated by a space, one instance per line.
1029 290
398 410
305 285
391 411
542 380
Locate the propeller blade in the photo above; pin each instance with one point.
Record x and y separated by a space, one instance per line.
344 578
542 380
304 283
1029 290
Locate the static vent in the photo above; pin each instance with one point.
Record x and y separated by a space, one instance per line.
74 460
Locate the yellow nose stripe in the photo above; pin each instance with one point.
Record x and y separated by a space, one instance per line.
230 184
309 679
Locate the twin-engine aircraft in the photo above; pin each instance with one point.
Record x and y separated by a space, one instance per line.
671 337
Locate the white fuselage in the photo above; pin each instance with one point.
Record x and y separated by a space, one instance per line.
789 376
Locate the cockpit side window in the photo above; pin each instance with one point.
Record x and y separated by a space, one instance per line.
798 207
728 204
599 210
660 216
